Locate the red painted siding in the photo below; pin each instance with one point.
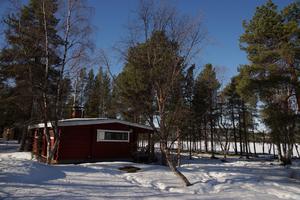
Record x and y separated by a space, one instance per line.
80 143
75 143
107 150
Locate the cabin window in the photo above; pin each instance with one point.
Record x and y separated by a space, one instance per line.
112 136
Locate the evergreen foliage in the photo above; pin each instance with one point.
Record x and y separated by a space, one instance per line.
271 41
22 59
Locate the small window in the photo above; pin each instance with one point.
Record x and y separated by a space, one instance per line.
112 136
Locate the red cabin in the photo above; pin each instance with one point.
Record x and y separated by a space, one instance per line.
91 139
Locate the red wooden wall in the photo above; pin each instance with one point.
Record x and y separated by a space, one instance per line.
79 143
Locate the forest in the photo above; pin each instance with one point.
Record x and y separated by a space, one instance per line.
48 66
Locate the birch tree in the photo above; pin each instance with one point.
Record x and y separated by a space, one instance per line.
75 33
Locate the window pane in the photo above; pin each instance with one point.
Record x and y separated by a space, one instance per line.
116 135
100 135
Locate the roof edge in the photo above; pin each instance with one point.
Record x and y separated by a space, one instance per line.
90 121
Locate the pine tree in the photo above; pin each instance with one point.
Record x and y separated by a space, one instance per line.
151 78
90 107
205 97
188 121
134 93
22 60
79 88
232 100
271 40
107 96
99 95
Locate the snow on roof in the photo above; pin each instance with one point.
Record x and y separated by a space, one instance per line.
90 121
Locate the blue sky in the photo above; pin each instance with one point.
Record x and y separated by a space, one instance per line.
222 19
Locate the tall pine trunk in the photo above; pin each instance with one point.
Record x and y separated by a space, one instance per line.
211 135
263 142
234 130
240 135
245 130
178 147
205 135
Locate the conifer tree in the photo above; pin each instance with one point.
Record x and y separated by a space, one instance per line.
99 94
233 99
271 40
152 78
22 59
204 103
88 93
79 88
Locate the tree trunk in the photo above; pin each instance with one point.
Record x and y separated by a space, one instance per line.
54 148
296 147
23 139
205 136
163 155
48 141
151 148
170 164
190 145
200 141
226 145
245 131
212 138
263 143
270 148
286 159
178 148
45 86
278 151
234 130
296 84
240 136
254 145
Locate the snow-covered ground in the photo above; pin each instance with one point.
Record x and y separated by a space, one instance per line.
24 178
8 146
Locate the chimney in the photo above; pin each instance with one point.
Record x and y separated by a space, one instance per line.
77 112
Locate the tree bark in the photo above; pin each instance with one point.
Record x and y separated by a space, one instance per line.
205 136
178 148
190 145
211 136
234 130
45 86
240 135
170 164
23 139
245 131
296 147
295 83
263 142
254 144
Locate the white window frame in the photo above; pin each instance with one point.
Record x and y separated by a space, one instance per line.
98 139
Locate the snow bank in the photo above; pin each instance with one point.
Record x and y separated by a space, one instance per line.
8 146
21 177
16 155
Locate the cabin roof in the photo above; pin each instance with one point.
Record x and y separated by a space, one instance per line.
90 121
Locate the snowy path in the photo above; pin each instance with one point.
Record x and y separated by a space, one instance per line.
23 178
